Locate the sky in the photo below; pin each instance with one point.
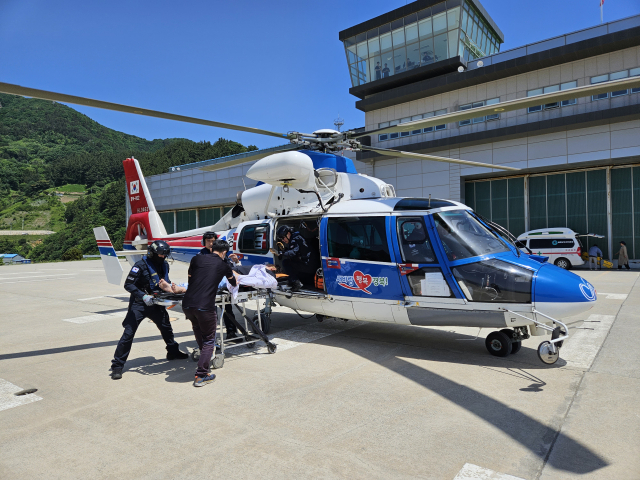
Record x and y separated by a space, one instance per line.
275 65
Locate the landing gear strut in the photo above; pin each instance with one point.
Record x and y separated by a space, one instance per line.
549 350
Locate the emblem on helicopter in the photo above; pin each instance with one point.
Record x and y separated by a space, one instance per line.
588 290
359 281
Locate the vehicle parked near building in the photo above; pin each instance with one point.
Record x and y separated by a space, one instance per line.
561 245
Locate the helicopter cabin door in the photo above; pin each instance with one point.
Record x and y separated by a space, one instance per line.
360 267
423 270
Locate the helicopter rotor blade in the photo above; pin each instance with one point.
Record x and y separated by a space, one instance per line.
240 158
88 102
510 105
422 156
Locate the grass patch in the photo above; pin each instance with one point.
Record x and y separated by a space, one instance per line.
70 188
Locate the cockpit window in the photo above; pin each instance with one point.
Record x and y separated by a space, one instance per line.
463 236
414 241
494 281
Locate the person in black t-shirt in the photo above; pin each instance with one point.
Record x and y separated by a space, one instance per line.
199 303
233 261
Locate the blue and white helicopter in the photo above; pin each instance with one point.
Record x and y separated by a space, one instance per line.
407 261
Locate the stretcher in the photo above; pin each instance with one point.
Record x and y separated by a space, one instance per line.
260 323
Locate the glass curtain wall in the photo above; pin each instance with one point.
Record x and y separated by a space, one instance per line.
422 38
477 38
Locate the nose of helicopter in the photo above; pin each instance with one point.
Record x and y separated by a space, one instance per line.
559 293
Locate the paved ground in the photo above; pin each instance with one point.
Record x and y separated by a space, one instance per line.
337 400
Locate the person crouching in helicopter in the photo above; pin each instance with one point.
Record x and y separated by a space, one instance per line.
295 255
148 276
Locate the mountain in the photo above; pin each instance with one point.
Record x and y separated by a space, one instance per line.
46 145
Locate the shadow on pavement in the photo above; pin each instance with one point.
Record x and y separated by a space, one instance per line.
529 432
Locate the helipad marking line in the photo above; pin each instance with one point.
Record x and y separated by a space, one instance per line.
38 276
474 472
9 400
93 318
581 348
614 296
104 296
35 281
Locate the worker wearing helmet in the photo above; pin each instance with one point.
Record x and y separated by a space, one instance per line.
295 255
146 278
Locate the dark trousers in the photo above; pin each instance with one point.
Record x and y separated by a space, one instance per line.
136 313
297 270
204 328
228 312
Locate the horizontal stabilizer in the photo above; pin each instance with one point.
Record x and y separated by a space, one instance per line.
110 261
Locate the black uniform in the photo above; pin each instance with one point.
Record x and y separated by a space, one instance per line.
143 280
296 260
232 331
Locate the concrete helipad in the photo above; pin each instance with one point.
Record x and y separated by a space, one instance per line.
338 399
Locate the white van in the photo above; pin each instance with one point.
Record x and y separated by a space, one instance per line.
561 245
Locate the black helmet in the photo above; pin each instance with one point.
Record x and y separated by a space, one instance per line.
283 230
208 235
158 247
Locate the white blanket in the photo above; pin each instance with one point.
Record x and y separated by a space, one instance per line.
258 277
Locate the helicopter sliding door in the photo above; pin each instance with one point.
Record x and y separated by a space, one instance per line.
360 267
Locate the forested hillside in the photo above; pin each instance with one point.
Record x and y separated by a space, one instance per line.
45 146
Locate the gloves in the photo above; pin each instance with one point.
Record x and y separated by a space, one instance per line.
148 300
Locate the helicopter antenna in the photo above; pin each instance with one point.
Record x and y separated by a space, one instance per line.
244 184
338 122
429 200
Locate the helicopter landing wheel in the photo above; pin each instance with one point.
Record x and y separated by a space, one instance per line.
546 355
516 345
498 344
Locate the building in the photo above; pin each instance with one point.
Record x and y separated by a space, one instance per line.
580 158
12 259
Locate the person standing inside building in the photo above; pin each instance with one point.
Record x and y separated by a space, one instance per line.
623 258
378 70
147 277
385 71
232 260
199 303
595 258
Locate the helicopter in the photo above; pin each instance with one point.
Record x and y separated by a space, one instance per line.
383 258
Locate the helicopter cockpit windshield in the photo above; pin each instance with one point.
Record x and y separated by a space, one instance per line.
463 236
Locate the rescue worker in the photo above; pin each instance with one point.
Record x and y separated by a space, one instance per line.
232 260
148 276
199 304
295 257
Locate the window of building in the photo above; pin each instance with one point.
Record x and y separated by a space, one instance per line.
167 220
208 216
550 89
186 220
634 72
418 39
469 106
390 136
600 79
254 239
358 238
